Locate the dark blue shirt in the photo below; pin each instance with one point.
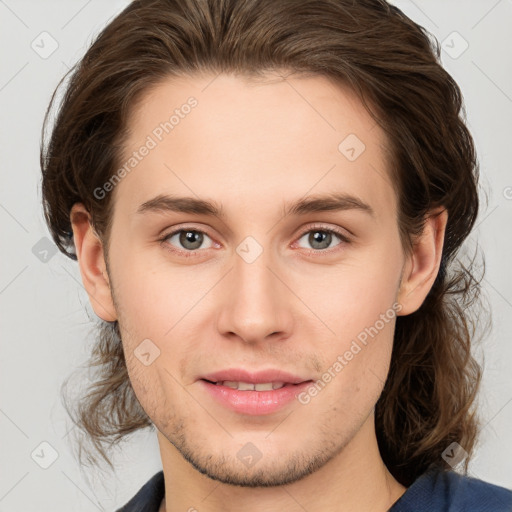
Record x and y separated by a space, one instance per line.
447 491
434 491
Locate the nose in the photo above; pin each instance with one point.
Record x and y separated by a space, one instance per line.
255 305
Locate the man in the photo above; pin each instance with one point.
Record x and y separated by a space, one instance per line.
265 201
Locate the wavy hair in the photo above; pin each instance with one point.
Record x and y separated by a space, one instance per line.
393 65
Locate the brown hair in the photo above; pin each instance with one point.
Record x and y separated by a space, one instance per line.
393 65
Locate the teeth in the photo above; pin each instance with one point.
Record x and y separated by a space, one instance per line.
247 386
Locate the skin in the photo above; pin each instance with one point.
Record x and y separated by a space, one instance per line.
252 148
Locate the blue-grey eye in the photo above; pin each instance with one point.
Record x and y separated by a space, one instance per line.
188 239
320 239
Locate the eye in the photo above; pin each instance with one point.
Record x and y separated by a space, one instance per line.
320 238
189 240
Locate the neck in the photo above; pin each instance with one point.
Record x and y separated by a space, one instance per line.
355 480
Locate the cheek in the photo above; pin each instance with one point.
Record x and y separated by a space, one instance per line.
151 297
360 308
153 384
353 377
353 300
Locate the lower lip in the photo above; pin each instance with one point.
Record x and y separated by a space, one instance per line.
254 403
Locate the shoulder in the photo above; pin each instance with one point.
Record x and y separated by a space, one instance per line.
447 491
149 496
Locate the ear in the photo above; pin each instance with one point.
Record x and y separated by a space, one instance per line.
422 265
91 260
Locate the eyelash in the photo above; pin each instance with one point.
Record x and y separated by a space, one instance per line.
191 254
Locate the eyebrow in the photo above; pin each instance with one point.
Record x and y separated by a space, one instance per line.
309 204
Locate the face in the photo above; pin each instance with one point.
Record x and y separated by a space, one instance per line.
261 285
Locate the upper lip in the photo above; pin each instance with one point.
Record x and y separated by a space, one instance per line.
241 375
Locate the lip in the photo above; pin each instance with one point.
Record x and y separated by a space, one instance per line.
241 375
254 403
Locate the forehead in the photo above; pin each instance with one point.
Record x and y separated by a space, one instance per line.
225 135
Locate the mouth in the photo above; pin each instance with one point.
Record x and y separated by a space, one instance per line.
251 386
253 399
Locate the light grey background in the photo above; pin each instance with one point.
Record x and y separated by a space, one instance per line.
45 316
